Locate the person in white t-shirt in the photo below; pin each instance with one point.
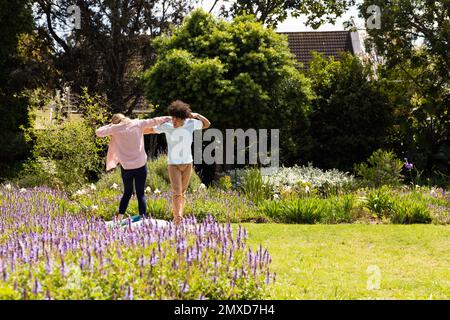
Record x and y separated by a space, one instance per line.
179 136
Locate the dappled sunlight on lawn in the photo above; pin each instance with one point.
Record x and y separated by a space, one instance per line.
331 261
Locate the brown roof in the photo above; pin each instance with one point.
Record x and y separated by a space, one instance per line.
330 43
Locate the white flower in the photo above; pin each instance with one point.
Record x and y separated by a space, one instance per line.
80 192
23 190
157 191
148 190
433 193
94 207
8 186
202 187
307 189
276 197
115 186
93 187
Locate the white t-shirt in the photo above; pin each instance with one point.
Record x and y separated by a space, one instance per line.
179 140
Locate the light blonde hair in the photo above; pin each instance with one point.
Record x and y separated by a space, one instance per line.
119 118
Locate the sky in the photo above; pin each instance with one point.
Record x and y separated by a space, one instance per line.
298 24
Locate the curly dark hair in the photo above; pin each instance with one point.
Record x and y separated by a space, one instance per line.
179 109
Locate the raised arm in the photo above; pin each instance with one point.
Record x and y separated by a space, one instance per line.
205 121
153 122
105 131
150 130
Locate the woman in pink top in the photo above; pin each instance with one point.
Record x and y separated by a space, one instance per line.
126 148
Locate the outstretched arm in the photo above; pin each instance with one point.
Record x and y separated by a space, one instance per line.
104 131
153 122
150 131
205 121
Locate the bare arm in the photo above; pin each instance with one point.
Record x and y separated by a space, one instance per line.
150 131
153 122
205 121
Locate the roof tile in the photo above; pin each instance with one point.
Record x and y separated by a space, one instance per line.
330 43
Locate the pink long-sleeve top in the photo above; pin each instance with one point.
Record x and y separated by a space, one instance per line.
127 142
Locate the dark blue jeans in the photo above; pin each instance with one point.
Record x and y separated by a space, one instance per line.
138 176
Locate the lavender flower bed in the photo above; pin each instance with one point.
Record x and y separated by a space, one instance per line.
48 254
224 206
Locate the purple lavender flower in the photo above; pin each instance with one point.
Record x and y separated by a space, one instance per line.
185 287
408 165
129 294
48 234
37 287
267 278
153 259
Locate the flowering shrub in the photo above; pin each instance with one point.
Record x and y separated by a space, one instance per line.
66 152
223 206
301 181
379 201
308 180
419 206
48 254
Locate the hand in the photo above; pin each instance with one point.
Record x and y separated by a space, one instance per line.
149 131
167 119
194 115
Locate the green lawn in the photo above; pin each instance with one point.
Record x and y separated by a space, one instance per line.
331 261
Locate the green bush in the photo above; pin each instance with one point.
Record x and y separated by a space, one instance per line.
382 168
351 114
273 210
63 156
66 153
310 210
341 210
306 210
405 208
237 72
254 187
379 201
408 211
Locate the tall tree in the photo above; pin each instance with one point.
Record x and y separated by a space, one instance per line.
240 74
271 12
351 115
111 44
414 40
15 19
